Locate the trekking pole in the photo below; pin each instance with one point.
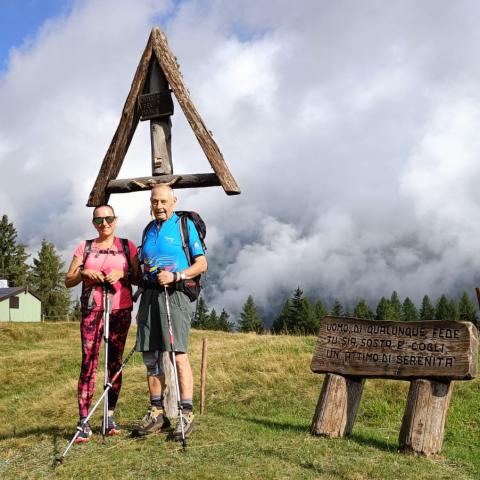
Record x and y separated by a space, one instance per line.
104 394
172 350
106 332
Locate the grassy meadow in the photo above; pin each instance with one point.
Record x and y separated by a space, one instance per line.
261 397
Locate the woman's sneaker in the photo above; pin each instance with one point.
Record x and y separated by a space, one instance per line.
85 433
154 421
112 428
187 418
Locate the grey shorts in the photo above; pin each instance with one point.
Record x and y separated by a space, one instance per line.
152 321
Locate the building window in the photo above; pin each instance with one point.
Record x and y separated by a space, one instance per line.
14 302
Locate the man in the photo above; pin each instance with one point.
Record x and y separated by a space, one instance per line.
166 265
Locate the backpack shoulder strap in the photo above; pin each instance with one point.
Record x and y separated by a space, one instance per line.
185 235
87 250
126 252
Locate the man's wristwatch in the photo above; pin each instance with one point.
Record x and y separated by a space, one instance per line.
182 276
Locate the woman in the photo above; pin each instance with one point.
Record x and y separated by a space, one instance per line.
106 260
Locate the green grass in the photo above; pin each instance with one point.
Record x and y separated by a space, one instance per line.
261 397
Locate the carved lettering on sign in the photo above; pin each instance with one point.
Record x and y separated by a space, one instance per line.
370 348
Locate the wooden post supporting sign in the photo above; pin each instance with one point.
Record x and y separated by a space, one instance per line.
430 354
424 419
337 405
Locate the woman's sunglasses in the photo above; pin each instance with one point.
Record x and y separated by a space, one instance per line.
99 220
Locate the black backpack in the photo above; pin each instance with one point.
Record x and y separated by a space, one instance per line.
190 287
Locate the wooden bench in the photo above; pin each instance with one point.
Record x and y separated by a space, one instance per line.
429 354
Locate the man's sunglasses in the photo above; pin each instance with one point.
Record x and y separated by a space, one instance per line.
99 220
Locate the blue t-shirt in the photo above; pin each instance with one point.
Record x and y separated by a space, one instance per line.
162 247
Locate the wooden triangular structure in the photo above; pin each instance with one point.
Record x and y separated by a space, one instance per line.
157 50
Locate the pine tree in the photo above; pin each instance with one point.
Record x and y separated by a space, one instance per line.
337 308
441 309
384 310
427 311
320 310
347 312
13 257
362 310
212 321
200 320
47 282
395 307
452 309
223 323
280 324
250 321
409 311
301 317
466 309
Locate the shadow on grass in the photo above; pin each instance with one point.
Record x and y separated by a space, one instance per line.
274 425
364 440
360 439
55 432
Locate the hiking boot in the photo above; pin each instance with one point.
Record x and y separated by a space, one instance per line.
84 435
112 428
187 417
154 421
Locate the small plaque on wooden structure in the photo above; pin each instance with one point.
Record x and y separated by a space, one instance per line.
155 105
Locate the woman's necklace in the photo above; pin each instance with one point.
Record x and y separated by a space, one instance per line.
102 250
106 244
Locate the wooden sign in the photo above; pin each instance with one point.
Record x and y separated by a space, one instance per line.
402 350
431 354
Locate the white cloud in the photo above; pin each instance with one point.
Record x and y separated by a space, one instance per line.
351 128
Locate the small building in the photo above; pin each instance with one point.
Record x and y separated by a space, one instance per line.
18 304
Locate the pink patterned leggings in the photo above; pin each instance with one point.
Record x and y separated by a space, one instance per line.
91 329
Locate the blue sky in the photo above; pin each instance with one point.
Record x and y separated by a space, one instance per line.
21 19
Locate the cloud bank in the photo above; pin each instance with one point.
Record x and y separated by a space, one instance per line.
351 128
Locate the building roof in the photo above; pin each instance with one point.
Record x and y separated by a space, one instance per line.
13 291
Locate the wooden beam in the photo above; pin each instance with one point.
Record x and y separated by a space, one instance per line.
176 181
168 63
160 128
170 402
203 375
123 136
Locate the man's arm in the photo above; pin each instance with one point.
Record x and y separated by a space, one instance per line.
198 266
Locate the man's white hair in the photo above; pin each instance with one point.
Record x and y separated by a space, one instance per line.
164 186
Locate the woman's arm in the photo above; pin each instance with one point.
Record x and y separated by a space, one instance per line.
74 275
